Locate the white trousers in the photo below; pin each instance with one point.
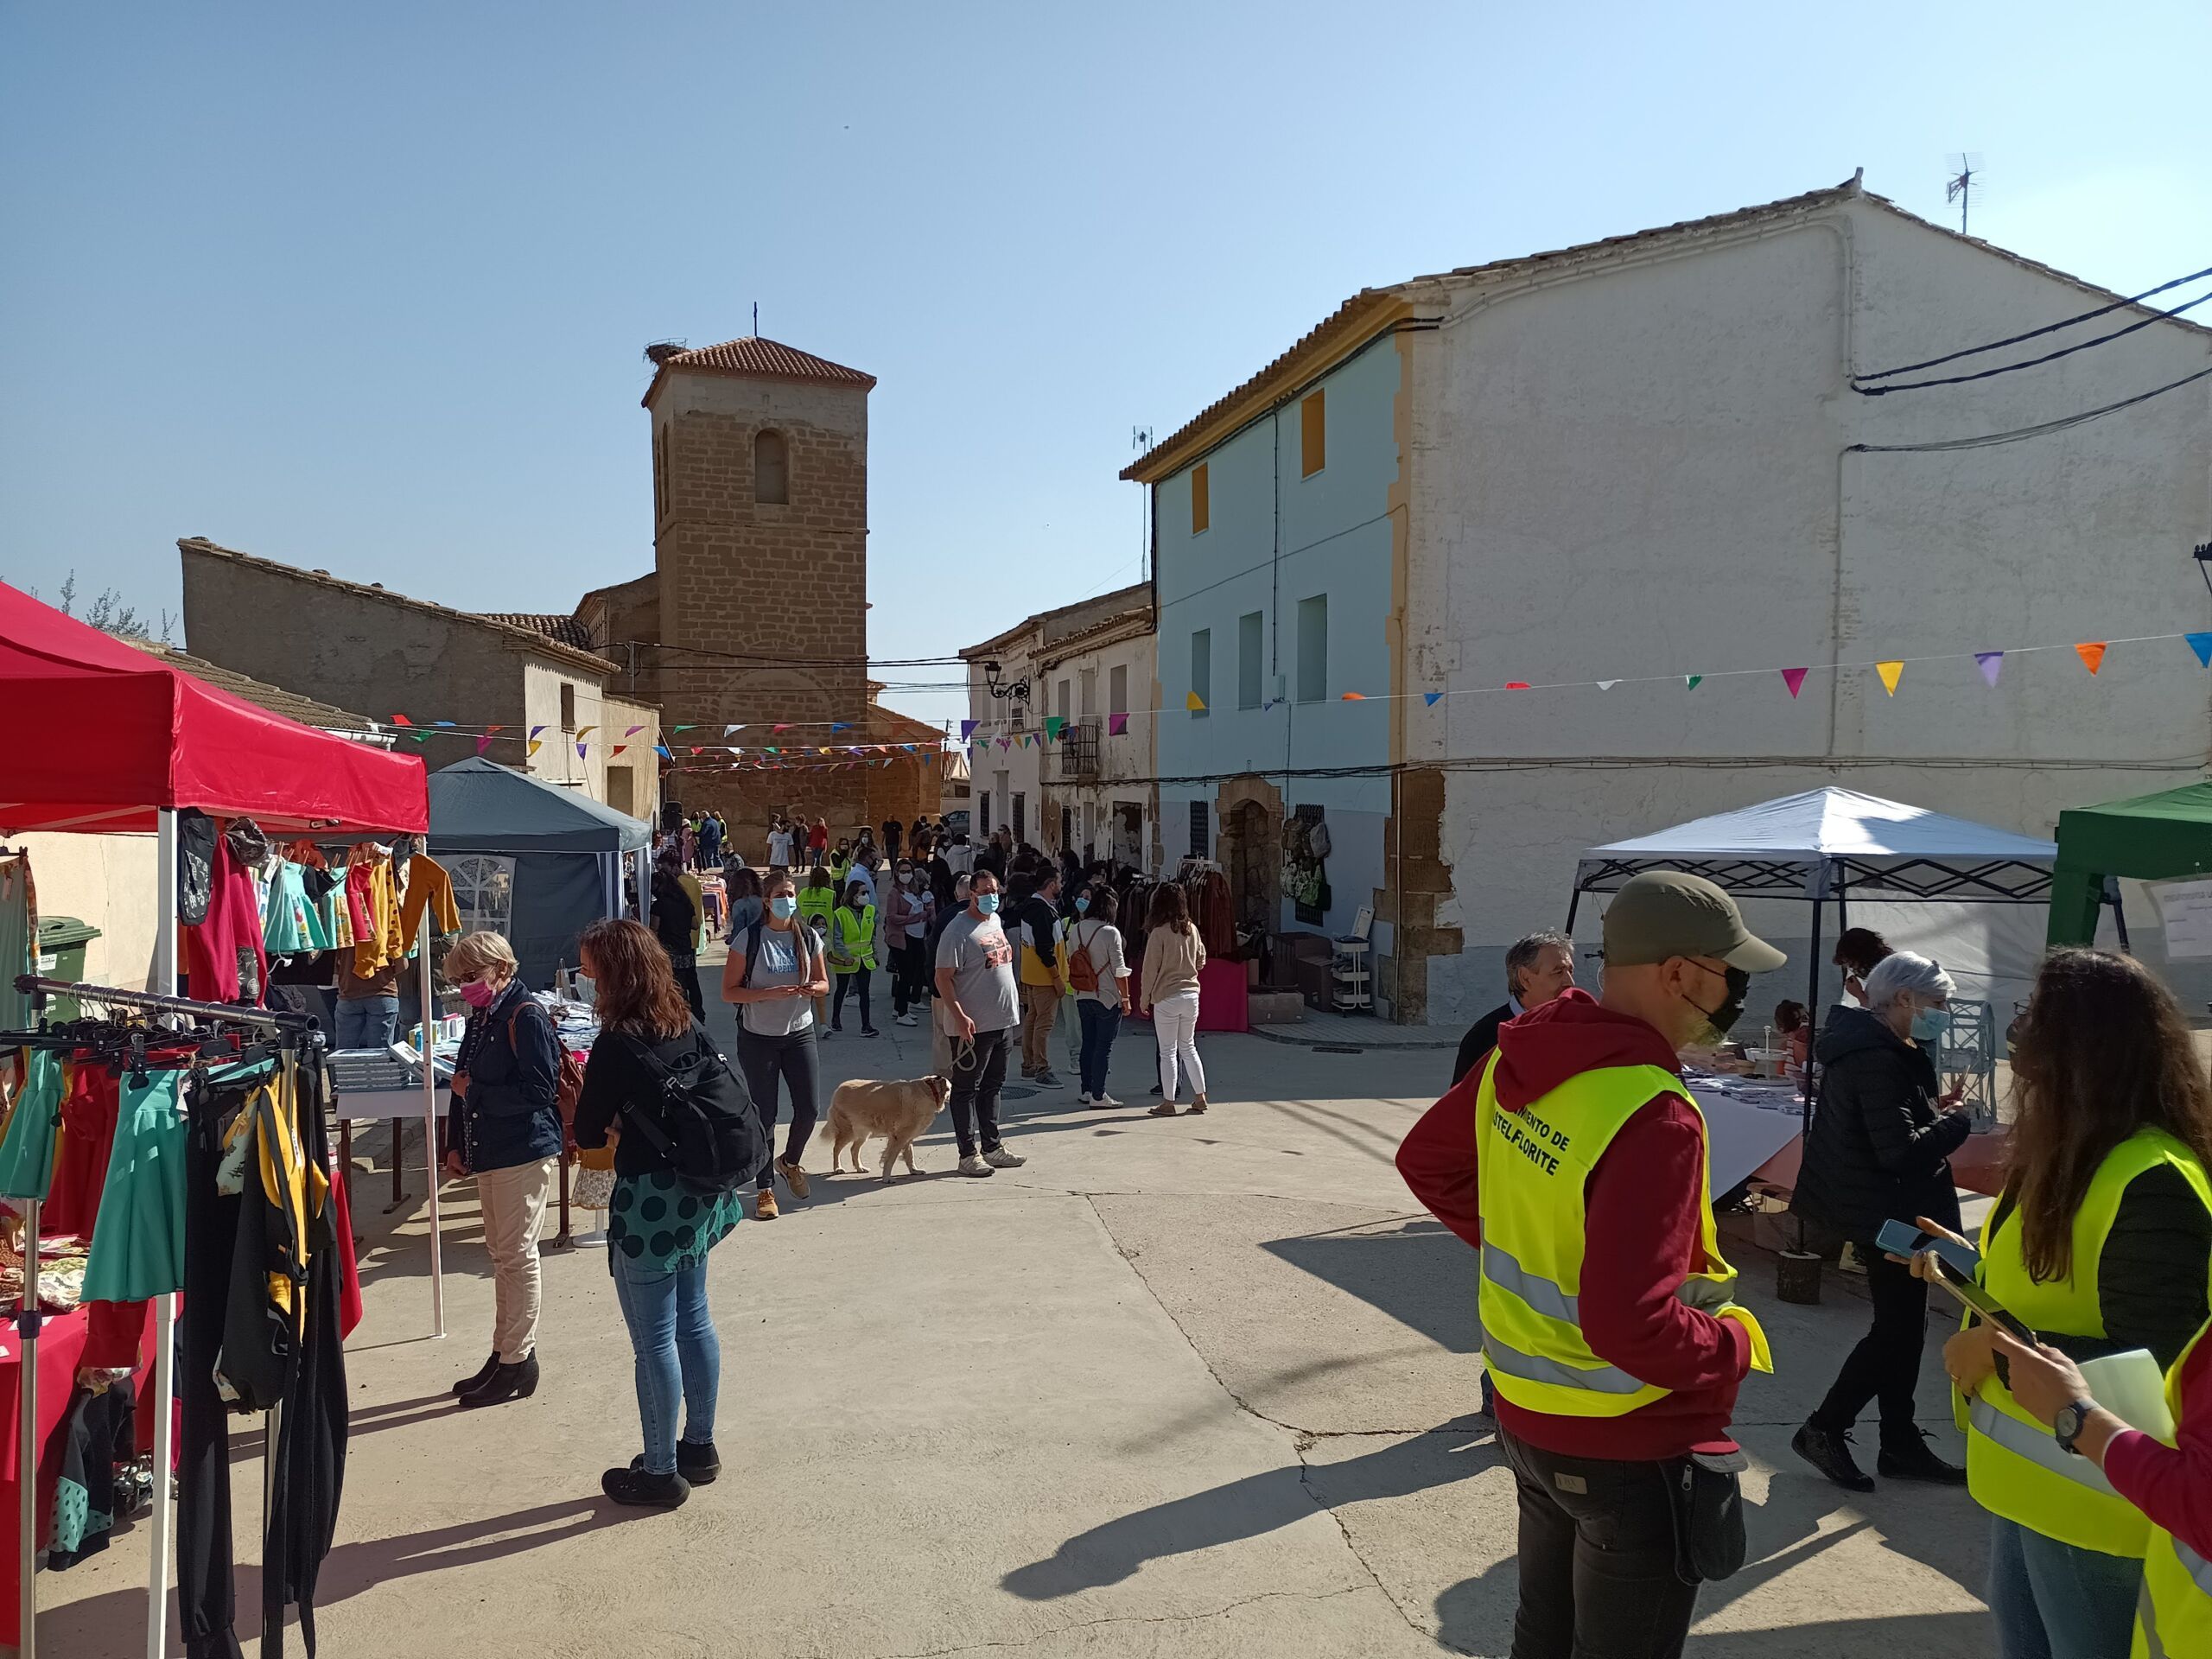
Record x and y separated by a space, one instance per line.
1175 1023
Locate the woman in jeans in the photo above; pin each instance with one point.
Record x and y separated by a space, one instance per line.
775 972
906 920
1095 953
1173 953
852 953
2102 1241
506 1131
658 1232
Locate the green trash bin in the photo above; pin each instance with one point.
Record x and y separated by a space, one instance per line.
62 942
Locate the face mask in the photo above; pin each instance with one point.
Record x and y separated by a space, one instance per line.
1082 905
988 903
782 907
1928 1024
478 994
586 986
1718 1022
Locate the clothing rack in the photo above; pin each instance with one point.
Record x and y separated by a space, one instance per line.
28 1319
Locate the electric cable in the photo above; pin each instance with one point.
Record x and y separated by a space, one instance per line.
1989 440
2033 362
2037 333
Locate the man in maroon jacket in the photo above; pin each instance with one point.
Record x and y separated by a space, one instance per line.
1597 1540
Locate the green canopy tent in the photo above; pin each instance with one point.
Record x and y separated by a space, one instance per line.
2145 838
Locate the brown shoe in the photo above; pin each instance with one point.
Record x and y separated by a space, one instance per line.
1166 1108
794 1176
1198 1106
763 1206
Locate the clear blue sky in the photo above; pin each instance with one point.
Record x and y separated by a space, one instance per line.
365 288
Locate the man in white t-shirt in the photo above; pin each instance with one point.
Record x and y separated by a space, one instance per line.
779 846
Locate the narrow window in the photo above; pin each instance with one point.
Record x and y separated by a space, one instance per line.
1202 669
660 473
568 707
1020 816
1313 433
1248 659
1201 499
1062 689
1087 705
983 815
770 470
1118 689
1313 649
1198 830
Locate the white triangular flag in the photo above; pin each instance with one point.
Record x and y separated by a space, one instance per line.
1607 685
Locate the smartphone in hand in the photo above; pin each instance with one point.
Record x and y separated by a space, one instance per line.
1903 1238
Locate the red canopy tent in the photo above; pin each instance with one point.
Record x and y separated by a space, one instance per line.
101 737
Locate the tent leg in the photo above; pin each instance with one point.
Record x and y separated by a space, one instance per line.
27 1444
428 1033
1573 903
2119 920
1812 1008
157 1581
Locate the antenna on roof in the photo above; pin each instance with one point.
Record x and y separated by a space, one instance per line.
756 319
1960 186
1141 441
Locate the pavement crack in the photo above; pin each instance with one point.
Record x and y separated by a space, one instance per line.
1135 1619
1302 1440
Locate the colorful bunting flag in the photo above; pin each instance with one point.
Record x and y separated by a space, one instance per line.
737 726
1431 697
583 732
2092 653
536 745
1116 725
580 751
1691 680
696 749
1006 743
1053 724
483 743
634 730
1795 679
1194 702
784 727
1517 685
693 727
841 726
1991 662
1607 685
617 749
967 729
1354 696
1891 672
535 730
661 749
401 719
444 722
2201 644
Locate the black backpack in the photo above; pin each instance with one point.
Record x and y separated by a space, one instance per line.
705 1126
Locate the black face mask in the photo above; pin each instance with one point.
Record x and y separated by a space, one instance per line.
1722 1020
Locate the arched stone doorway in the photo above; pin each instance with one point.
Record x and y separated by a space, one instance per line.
1250 811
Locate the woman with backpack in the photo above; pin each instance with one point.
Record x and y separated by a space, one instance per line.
1100 973
504 1130
852 953
663 1218
776 970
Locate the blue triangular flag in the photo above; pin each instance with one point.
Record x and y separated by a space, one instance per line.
1430 697
2201 644
661 749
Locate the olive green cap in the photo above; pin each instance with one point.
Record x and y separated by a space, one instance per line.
1664 913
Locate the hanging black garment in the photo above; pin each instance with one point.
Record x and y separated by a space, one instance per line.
98 1439
196 865
203 1475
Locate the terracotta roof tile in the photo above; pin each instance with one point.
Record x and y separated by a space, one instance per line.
561 629
758 358
275 698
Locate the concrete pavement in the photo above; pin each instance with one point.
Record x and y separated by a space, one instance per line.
1188 1387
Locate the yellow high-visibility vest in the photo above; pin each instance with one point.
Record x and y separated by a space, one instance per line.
2015 1468
2174 1614
1535 1166
855 935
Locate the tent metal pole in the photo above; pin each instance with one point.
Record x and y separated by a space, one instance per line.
1573 903
27 1442
157 1581
1811 1006
2118 915
428 1032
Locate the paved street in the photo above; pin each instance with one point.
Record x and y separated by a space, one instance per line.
1190 1387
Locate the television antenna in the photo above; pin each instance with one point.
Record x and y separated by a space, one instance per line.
1960 186
1141 441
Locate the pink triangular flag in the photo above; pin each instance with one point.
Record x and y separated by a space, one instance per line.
1795 679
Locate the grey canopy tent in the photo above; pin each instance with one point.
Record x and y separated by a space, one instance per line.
530 860
1827 846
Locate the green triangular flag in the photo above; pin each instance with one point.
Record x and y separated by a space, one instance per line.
1053 725
1691 680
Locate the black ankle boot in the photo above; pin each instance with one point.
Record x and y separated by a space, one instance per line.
636 1487
1904 1457
1830 1453
469 1384
516 1381
697 1464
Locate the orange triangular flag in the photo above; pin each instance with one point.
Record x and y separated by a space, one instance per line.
2092 653
1890 673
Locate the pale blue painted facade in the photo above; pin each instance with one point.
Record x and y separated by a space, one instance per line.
1277 539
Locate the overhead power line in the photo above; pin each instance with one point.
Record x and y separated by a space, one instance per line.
2033 362
1989 440
2037 334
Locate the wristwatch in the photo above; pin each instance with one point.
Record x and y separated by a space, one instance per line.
2067 1425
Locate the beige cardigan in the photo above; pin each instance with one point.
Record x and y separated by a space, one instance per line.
1172 960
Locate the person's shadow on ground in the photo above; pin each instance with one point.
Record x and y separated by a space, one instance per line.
1260 1504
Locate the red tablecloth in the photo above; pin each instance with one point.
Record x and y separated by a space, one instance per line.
61 1342
1224 1004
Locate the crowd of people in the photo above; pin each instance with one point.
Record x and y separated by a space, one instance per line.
1569 1153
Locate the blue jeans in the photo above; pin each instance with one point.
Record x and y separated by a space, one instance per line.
679 1355
1101 1021
367 1022
2053 1601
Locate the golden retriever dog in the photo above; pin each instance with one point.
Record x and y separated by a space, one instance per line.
898 1110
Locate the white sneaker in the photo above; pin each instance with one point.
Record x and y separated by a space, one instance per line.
1083 1099
905 1019
1000 1157
971 1165
1105 1100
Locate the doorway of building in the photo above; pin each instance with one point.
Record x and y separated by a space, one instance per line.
1129 833
1067 828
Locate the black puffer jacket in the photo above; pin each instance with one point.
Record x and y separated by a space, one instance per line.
1877 1150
